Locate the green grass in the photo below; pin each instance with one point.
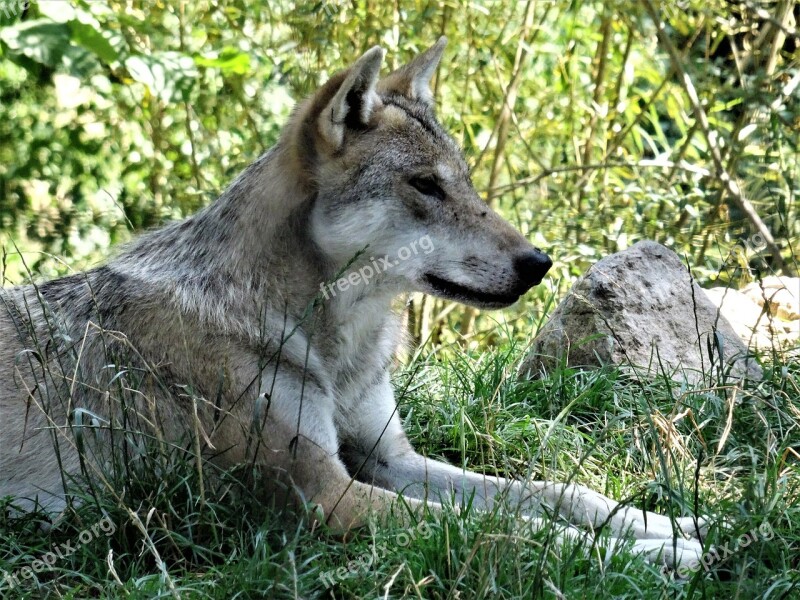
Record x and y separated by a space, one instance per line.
730 453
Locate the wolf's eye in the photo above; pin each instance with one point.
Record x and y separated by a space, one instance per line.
427 185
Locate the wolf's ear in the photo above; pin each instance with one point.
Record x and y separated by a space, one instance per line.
413 79
354 100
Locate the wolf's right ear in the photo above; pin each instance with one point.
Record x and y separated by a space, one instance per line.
354 101
413 80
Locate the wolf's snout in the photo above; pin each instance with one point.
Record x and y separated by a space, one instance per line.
532 266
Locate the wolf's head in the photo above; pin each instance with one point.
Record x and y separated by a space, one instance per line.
392 189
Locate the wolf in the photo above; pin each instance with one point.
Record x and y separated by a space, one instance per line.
262 327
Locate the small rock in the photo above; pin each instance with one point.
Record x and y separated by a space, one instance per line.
747 318
781 293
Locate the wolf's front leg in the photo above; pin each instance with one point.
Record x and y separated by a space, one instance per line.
292 441
585 507
378 452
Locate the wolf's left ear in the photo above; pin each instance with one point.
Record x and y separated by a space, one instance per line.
354 100
413 79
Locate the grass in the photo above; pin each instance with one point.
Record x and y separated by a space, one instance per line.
728 453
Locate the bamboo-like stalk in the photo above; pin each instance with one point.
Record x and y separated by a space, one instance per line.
504 122
423 306
601 60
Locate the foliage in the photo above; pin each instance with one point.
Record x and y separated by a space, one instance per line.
117 117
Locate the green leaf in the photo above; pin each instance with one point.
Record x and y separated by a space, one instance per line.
79 62
169 75
230 61
86 36
41 40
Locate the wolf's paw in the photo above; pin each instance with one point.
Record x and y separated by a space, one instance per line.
661 527
682 555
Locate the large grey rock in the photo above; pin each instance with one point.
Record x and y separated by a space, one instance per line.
640 308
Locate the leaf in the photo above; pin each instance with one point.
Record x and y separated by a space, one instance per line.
41 40
168 75
49 43
79 62
86 36
746 131
230 61
58 12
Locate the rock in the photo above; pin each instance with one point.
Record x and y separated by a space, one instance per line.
789 330
781 293
747 318
759 328
639 308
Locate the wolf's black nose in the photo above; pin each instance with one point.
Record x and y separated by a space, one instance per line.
532 266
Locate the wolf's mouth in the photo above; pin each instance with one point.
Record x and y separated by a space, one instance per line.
454 291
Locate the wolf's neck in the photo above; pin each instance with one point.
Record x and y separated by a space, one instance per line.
251 220
251 246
